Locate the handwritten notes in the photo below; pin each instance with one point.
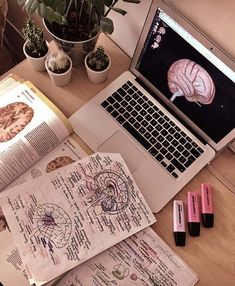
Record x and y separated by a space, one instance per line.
70 215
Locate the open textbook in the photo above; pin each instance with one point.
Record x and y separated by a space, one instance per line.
30 127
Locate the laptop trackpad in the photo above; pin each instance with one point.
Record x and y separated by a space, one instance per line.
118 143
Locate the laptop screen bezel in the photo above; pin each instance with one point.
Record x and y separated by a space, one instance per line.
204 40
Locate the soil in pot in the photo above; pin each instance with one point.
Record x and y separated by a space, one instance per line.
79 28
93 66
32 54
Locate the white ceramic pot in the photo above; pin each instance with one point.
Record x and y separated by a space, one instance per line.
97 76
37 63
77 50
60 79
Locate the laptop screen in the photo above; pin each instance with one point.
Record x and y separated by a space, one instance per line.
192 79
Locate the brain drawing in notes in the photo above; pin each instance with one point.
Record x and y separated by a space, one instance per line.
187 78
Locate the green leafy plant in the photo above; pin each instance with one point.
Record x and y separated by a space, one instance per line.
98 60
35 42
76 20
58 63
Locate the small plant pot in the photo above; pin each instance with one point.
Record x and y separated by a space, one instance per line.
77 50
37 63
97 76
60 79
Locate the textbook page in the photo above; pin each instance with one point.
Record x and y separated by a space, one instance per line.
30 127
62 219
9 82
12 268
142 259
67 152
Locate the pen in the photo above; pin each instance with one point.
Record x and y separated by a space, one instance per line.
207 205
179 223
193 214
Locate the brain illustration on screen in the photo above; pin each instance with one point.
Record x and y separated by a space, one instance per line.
14 117
187 78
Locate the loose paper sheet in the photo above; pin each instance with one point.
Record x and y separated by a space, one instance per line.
142 259
12 268
64 218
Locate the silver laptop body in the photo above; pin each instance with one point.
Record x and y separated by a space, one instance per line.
170 132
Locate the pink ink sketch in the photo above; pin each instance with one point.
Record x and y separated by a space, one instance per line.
189 79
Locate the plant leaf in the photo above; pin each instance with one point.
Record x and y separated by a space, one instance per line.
42 10
108 2
106 25
56 5
118 10
31 6
61 7
99 5
52 16
21 2
132 1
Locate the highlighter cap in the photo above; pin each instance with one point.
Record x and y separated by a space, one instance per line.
194 228
208 220
180 238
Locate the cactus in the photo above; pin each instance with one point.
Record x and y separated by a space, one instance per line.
35 42
58 63
98 60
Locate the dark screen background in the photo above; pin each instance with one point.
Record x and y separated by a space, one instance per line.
216 119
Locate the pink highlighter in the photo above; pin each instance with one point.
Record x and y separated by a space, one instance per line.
207 205
179 223
193 214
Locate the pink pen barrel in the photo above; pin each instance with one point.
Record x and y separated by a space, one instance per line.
207 205
193 214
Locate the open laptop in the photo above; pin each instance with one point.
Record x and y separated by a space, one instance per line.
170 132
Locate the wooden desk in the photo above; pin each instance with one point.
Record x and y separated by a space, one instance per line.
212 255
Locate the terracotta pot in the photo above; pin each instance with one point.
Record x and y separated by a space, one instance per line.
60 79
97 76
37 63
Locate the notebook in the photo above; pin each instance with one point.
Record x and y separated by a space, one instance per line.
171 113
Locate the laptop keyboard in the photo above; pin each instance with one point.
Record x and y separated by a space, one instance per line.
154 130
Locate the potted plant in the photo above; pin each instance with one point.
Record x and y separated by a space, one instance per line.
59 68
35 47
75 24
97 64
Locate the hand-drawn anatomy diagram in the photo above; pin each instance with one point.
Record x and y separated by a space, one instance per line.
53 223
108 190
14 117
186 78
58 163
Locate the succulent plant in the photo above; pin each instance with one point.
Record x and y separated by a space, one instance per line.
58 63
35 42
98 60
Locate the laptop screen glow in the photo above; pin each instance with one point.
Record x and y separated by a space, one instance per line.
193 79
